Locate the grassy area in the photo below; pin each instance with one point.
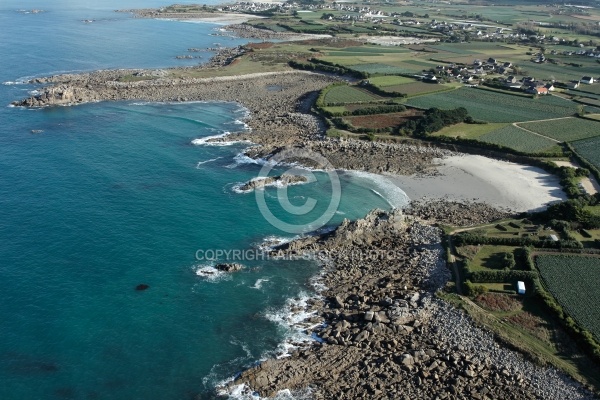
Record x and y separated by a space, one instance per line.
489 258
468 131
588 237
595 117
391 80
420 88
349 94
498 287
518 228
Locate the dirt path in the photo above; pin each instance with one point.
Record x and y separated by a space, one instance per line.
516 125
589 183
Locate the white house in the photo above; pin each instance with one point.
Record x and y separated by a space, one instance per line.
521 287
587 79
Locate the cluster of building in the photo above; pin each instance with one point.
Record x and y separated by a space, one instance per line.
479 70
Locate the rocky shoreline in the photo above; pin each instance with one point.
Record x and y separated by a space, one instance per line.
279 106
384 333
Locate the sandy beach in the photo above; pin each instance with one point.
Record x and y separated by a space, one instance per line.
502 184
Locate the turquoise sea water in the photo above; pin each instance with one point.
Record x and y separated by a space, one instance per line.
112 195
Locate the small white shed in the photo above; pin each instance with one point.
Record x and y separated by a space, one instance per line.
521 287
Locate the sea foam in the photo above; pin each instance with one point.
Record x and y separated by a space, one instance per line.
383 187
205 141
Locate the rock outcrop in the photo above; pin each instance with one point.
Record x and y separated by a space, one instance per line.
282 180
229 267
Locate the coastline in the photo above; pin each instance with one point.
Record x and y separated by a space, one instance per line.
385 334
279 105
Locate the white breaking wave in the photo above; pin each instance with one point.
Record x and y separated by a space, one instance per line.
210 273
205 140
293 317
384 188
207 161
259 283
243 392
242 158
270 242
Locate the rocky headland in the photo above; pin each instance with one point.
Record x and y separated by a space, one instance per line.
279 106
385 335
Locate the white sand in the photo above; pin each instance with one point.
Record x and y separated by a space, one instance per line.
501 184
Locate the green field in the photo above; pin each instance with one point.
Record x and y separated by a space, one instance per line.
589 102
417 88
561 72
497 107
575 92
594 89
390 80
468 131
489 258
366 50
383 69
589 149
565 130
349 94
575 283
518 139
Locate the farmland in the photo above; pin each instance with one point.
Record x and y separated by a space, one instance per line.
497 107
468 131
518 139
385 81
418 88
383 69
382 120
588 149
565 130
575 282
349 94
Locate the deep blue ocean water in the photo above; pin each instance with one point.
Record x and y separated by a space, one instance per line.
113 195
